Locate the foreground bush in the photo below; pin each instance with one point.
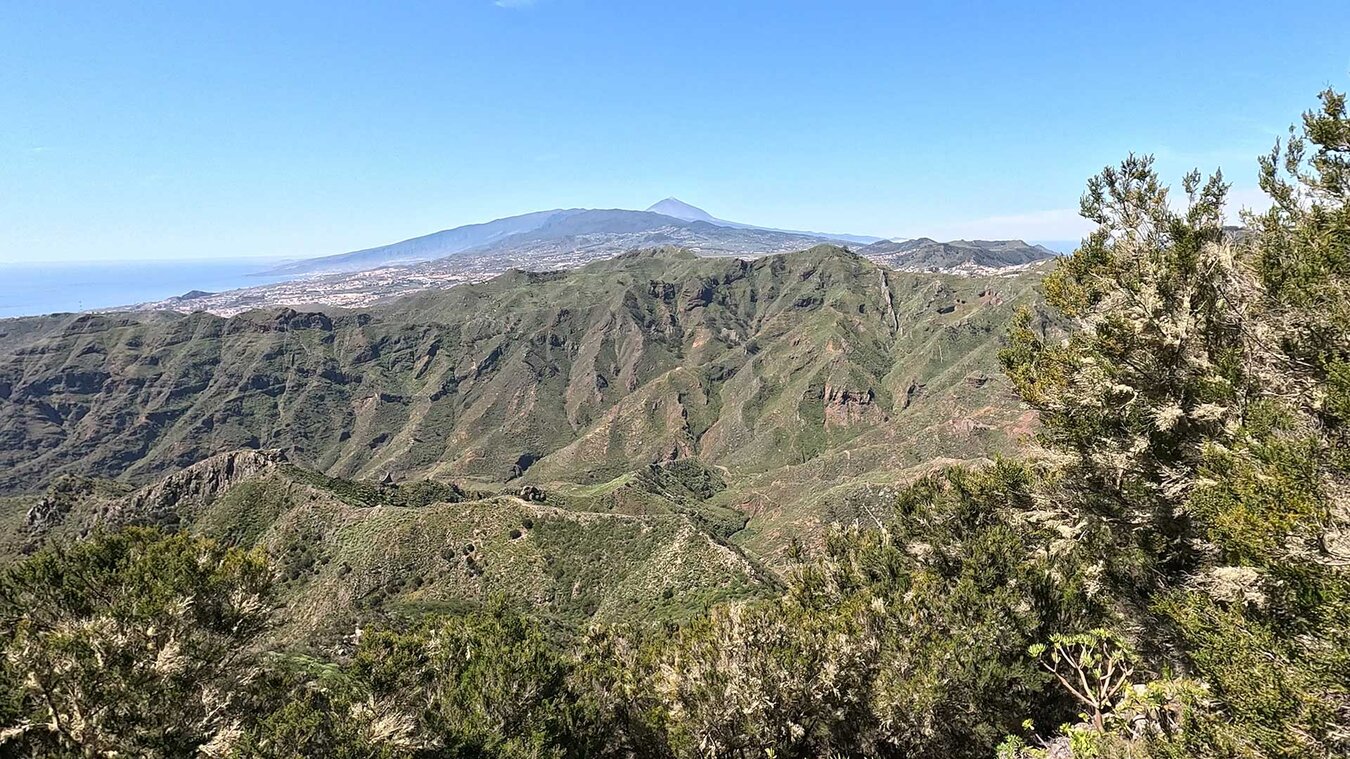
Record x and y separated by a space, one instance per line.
131 644
1196 413
907 640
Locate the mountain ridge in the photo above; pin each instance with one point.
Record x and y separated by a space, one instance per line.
579 239
349 550
422 247
956 256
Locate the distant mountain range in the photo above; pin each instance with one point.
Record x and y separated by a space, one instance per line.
667 222
676 208
955 257
628 440
565 239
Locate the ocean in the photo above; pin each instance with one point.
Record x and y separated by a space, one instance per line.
27 289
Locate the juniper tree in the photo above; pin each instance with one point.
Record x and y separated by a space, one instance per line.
1194 410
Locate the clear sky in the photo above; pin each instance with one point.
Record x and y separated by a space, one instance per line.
228 129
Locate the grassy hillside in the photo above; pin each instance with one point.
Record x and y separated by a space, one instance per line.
347 552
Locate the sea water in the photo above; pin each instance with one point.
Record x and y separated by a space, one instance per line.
27 289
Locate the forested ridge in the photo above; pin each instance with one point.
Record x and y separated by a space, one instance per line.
1166 575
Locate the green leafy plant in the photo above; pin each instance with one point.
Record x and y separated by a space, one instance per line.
1094 667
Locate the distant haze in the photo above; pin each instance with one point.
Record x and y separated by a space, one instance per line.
672 221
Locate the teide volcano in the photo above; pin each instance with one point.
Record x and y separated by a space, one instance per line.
669 221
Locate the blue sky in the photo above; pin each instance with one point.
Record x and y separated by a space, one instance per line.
228 129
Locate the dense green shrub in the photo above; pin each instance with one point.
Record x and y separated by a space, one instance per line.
908 640
132 644
1195 414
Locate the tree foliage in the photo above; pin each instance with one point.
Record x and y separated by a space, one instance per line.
1195 412
908 640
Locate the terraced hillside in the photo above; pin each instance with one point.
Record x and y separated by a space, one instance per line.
807 381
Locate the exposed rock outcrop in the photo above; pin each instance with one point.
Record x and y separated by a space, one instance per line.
165 502
844 407
55 504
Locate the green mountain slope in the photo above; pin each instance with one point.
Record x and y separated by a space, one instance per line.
816 367
348 551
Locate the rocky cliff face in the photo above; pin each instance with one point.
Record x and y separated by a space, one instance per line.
845 407
65 495
169 501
